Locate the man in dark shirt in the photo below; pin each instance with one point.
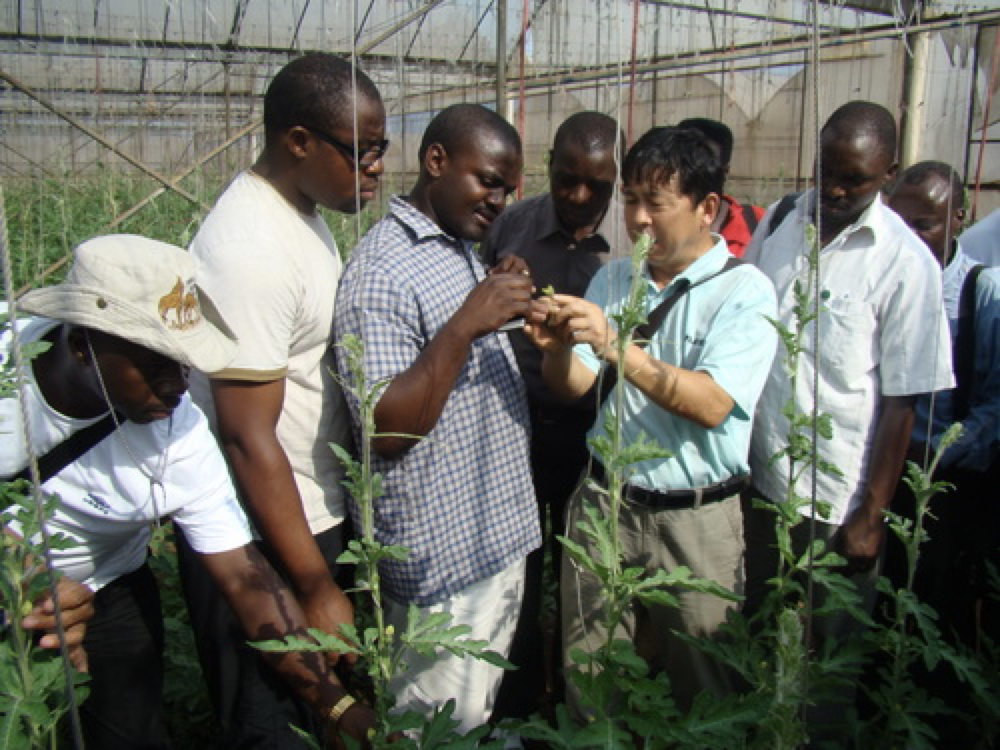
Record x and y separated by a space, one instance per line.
565 235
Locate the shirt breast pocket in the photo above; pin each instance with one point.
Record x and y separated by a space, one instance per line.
847 342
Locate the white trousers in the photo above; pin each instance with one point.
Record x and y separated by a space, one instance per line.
490 607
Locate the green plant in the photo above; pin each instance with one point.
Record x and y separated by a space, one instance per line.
33 689
382 651
34 695
911 640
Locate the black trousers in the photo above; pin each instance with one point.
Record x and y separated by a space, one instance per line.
253 705
124 643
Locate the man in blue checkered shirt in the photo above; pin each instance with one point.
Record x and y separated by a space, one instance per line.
457 489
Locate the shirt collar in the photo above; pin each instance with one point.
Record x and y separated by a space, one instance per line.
549 224
422 226
959 265
707 265
872 219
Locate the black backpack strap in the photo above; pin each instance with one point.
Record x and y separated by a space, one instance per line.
784 207
644 333
749 217
62 455
964 354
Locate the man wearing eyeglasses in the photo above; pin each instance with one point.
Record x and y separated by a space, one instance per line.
269 261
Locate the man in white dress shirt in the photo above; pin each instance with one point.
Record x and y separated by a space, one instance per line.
883 339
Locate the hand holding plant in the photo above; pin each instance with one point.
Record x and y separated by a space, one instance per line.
76 602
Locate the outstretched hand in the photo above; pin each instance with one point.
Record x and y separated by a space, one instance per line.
559 321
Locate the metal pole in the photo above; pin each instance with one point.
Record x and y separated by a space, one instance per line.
128 214
91 133
913 111
501 58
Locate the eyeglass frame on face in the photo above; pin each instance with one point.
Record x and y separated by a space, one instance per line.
361 159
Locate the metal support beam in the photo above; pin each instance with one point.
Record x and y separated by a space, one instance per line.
175 180
101 139
398 26
914 111
501 98
791 45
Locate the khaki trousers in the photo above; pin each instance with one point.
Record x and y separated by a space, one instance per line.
708 540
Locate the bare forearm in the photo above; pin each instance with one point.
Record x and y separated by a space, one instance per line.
414 401
566 375
248 415
892 439
860 537
690 394
269 492
267 610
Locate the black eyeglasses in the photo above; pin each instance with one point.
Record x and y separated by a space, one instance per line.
363 158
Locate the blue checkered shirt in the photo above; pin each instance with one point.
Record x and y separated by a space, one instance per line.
461 500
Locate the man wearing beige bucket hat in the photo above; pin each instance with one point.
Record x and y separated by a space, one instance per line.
123 330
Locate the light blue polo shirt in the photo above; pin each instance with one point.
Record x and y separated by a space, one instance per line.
719 327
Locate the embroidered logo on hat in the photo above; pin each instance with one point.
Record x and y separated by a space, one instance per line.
182 301
143 291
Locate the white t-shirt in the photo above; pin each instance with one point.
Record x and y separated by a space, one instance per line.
107 502
273 273
981 241
883 332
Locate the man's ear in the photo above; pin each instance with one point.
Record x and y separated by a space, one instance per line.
891 174
297 140
710 207
435 160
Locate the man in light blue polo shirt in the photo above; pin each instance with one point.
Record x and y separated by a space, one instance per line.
693 389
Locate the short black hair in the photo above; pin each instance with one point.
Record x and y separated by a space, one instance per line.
716 132
315 90
460 126
664 152
857 117
922 171
591 131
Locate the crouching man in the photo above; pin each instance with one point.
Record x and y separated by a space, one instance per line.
123 330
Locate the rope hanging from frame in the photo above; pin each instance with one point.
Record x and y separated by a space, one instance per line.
986 121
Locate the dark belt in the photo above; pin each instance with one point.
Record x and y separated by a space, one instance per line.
678 498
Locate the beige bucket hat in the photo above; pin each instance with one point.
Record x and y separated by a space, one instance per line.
143 291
